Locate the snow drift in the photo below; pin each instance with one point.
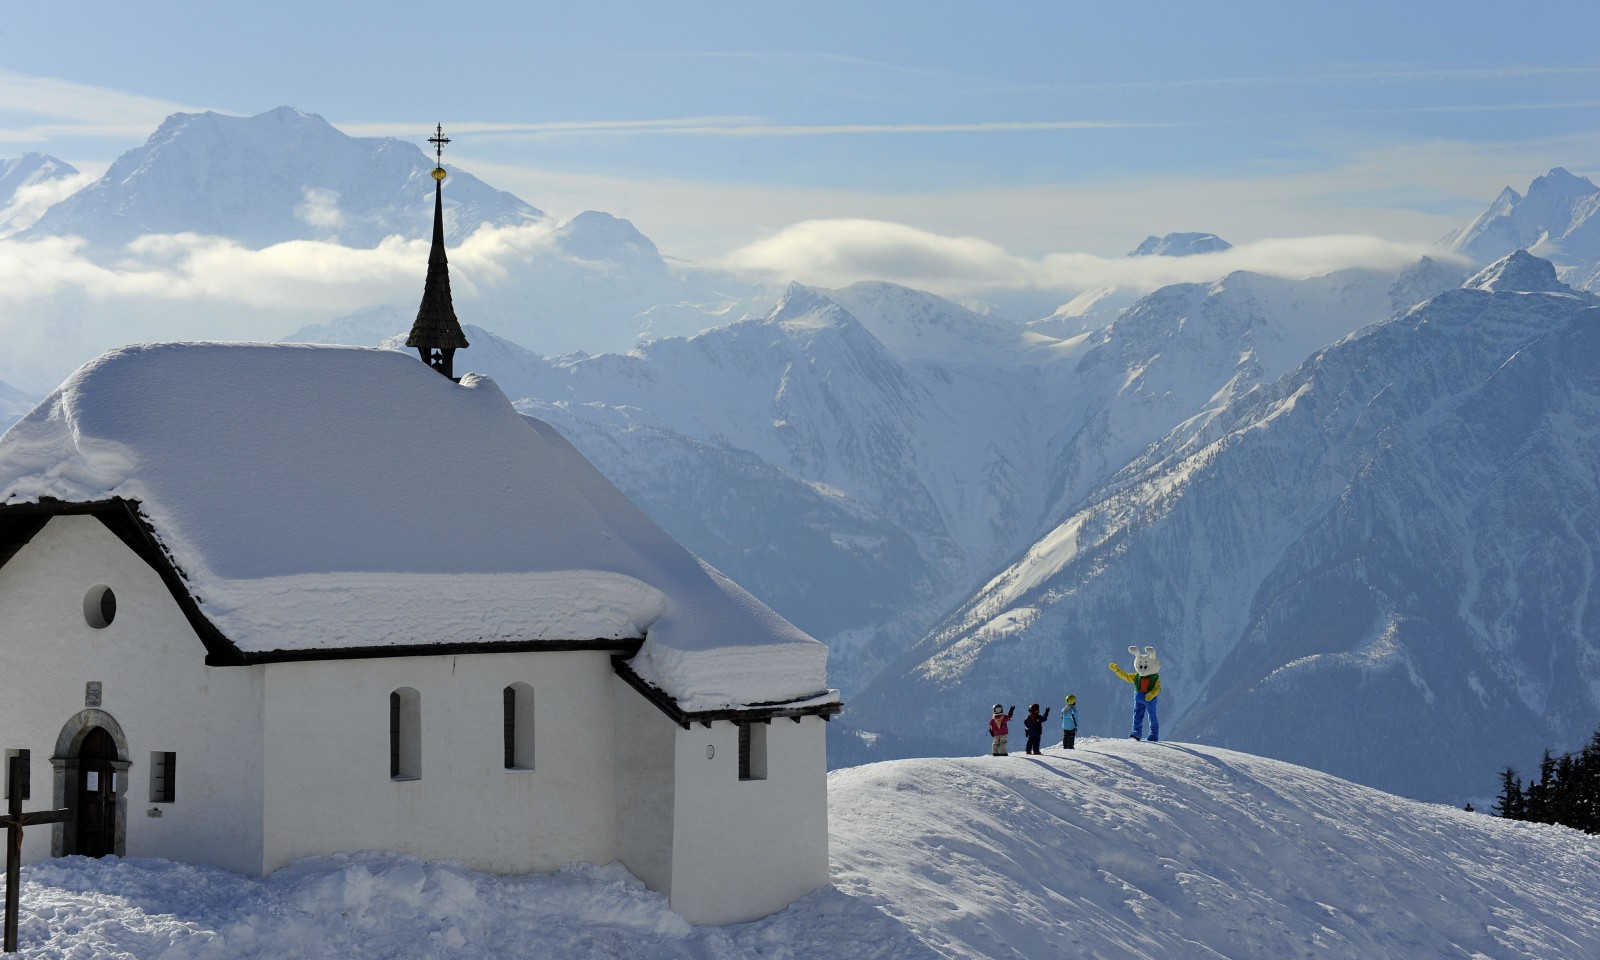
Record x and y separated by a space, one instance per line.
1114 850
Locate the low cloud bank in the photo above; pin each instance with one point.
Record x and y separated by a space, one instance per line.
839 252
65 307
31 201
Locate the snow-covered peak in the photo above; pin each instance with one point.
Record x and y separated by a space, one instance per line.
804 308
593 235
1180 245
277 176
1558 218
1421 280
1561 183
1521 272
29 169
917 325
31 184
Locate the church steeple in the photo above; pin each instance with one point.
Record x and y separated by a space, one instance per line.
437 333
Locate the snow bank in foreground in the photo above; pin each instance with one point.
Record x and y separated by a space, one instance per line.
1123 849
396 908
1117 849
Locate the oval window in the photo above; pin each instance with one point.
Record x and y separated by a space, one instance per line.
99 606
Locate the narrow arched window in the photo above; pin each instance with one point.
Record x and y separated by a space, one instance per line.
517 710
405 734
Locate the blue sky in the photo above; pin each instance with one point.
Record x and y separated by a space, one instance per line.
1039 126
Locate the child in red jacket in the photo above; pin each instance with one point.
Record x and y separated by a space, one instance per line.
999 727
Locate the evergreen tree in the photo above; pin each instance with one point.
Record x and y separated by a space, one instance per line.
1510 804
1565 799
1567 790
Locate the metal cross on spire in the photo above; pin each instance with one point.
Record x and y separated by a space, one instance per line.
438 140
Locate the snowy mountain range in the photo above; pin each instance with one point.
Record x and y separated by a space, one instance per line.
1159 852
978 502
863 458
1558 219
1390 542
291 187
278 176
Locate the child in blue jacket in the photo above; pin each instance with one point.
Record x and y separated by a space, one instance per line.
1069 723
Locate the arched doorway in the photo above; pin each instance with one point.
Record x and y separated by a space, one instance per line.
97 798
91 777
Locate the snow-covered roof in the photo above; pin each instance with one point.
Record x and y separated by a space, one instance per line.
322 498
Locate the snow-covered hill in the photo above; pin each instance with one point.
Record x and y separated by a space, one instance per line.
1392 542
1558 219
278 176
1115 850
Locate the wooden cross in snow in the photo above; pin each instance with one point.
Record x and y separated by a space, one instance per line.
14 821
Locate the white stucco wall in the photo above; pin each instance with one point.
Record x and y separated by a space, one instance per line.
646 744
288 760
155 685
465 806
745 849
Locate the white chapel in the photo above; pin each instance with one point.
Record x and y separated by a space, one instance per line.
261 602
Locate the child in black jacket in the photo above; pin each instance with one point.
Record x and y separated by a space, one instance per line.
1033 723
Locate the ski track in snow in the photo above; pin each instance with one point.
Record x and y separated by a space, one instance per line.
1117 849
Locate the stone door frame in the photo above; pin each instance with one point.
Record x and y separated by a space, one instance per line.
65 763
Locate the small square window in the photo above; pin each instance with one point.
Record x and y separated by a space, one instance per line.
163 777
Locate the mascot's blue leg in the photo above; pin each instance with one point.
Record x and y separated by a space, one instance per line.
1155 721
1139 704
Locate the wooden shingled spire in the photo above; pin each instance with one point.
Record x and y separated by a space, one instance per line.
437 333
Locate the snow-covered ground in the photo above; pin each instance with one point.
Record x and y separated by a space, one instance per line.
1117 849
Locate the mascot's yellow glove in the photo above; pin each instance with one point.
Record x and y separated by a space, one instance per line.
1150 696
1155 691
1121 673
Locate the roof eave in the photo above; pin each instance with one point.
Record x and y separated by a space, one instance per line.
122 517
751 713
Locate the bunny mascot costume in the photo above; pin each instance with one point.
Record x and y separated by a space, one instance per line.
1146 680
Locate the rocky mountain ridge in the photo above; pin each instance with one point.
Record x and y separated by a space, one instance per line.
1392 537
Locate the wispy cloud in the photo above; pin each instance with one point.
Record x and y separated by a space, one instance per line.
1332 78
840 252
30 202
1406 189
56 108
64 307
738 127
1486 107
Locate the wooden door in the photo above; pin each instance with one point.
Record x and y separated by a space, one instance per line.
97 802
